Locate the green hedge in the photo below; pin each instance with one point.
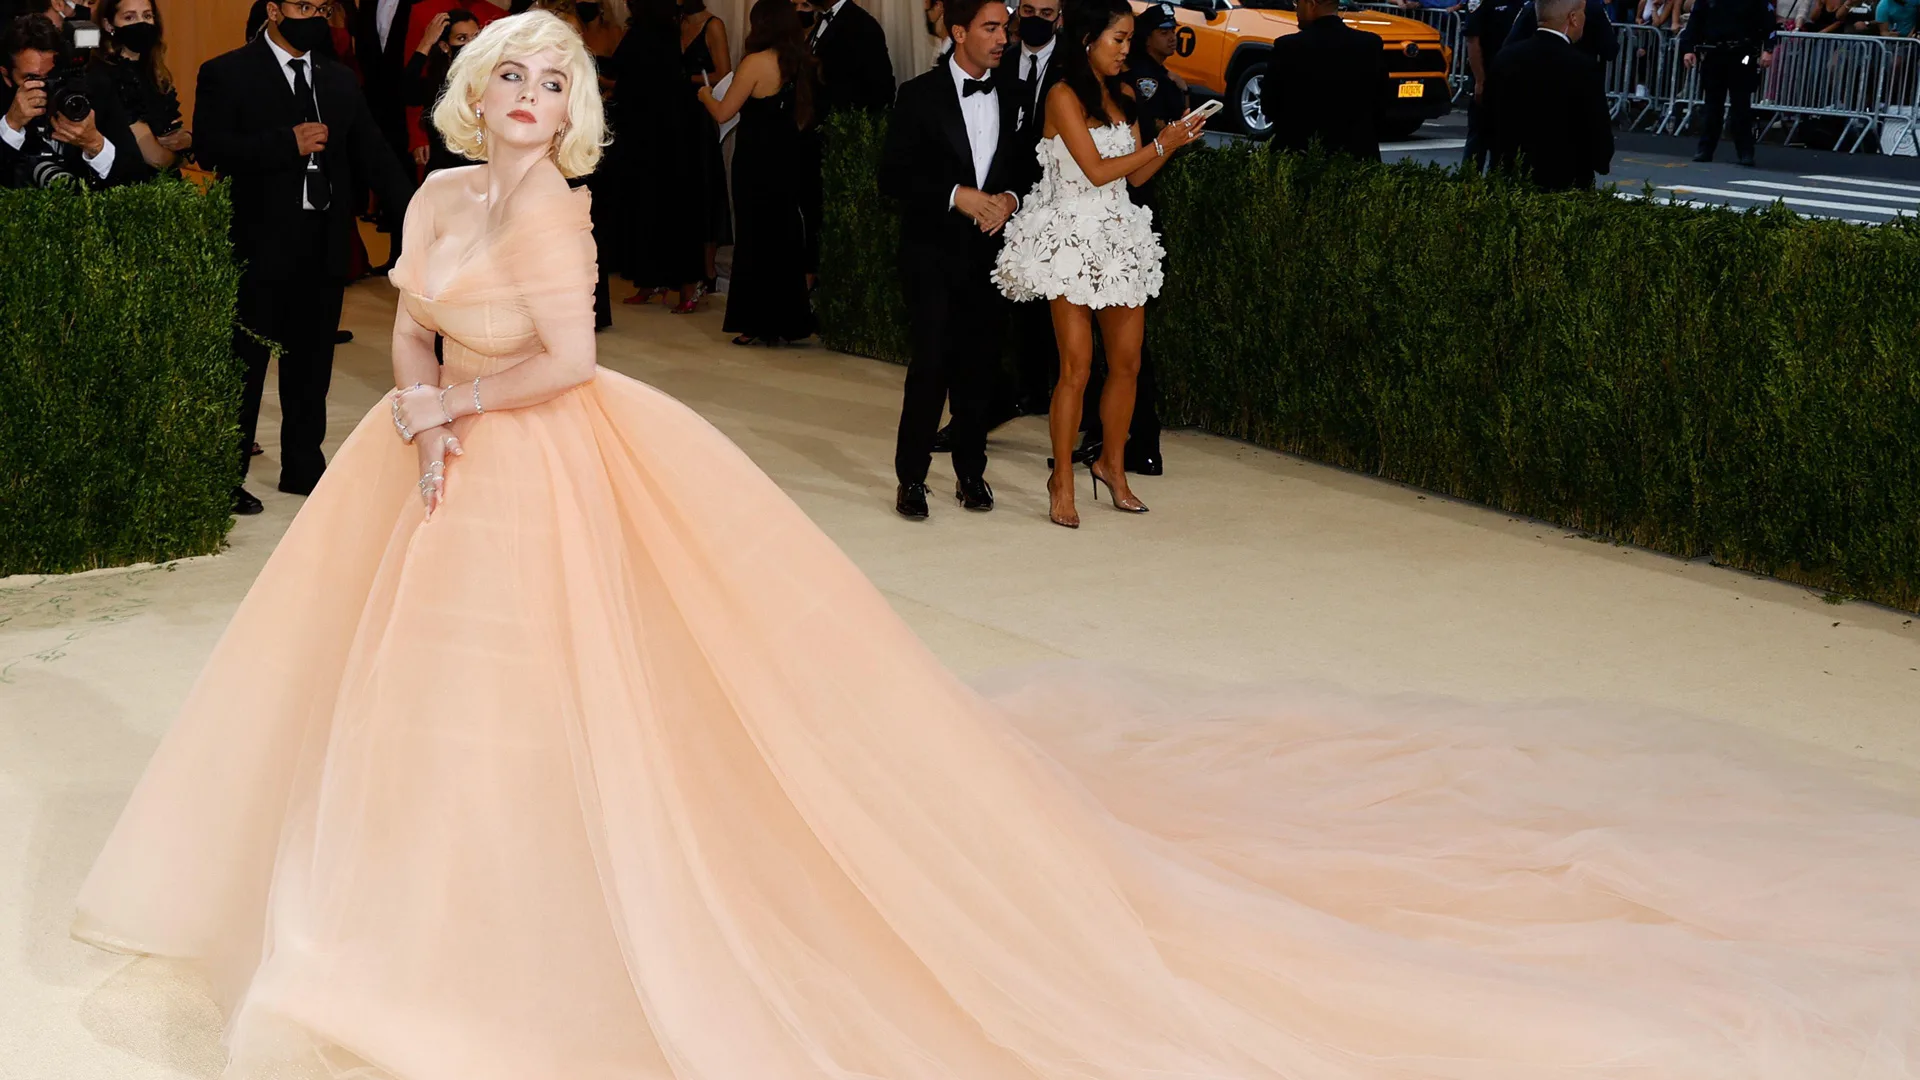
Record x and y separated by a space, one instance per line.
1699 381
119 391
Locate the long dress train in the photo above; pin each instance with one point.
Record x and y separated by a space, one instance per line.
617 767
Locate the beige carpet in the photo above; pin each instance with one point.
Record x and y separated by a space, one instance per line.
1252 565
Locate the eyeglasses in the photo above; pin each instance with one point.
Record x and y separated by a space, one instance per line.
301 9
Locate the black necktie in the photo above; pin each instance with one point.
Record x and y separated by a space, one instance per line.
318 192
1033 79
970 87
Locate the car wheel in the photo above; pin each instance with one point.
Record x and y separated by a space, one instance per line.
1397 130
1246 102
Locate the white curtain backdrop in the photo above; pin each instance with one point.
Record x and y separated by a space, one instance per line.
908 45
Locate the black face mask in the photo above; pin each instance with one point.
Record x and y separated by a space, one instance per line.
307 35
1036 32
453 53
587 11
806 18
138 37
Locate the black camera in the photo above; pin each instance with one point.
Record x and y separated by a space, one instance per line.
44 172
67 93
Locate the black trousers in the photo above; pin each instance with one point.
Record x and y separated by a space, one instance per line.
959 319
301 315
1036 357
1728 72
1479 148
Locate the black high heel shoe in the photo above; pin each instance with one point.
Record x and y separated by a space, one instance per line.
1131 505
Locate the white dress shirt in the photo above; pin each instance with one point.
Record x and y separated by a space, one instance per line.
982 114
383 19
1037 59
1557 34
101 163
286 60
821 20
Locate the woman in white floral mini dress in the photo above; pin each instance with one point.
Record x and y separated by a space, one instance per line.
1081 244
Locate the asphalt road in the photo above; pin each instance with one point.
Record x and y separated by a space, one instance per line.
1866 188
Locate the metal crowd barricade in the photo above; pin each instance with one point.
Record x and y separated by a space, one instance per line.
1899 97
1830 75
1638 82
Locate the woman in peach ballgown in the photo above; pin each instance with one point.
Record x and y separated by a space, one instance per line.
586 755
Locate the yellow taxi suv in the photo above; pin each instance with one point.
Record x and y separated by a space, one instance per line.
1223 47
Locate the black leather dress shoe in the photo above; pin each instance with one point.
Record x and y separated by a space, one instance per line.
245 503
943 440
911 501
295 486
974 493
343 337
1747 161
1145 464
1704 155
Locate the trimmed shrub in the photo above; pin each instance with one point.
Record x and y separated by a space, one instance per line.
119 390
1698 381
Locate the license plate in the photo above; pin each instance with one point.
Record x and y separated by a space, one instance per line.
1412 89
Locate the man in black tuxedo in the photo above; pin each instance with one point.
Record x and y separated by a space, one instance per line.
855 70
1327 82
1596 38
288 126
99 147
1546 105
954 158
380 44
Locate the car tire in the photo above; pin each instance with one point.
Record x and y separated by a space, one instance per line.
1244 109
1398 130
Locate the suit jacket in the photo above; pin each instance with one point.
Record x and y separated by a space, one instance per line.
384 69
927 155
1599 40
1329 82
243 119
109 118
1009 78
1547 111
855 70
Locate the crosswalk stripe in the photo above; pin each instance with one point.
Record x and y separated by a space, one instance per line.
1702 204
1864 183
1883 197
1790 200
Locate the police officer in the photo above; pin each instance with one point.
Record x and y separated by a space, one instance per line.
1729 42
1488 25
1160 94
1161 97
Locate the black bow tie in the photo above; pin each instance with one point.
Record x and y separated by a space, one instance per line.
970 87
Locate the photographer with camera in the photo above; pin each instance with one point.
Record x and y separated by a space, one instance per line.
133 62
58 125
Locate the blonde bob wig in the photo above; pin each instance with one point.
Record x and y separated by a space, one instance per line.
517 37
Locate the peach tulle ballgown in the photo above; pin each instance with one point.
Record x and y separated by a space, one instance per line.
618 768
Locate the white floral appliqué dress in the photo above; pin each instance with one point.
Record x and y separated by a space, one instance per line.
1090 244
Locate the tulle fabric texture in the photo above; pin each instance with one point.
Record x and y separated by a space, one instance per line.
1092 245
617 767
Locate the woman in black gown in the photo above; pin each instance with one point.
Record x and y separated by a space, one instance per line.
706 59
773 93
659 133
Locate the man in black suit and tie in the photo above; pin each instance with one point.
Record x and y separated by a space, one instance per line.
855 70
288 126
954 159
379 43
1327 82
98 147
1546 106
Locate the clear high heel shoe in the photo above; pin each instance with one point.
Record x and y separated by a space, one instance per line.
1064 522
1129 504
